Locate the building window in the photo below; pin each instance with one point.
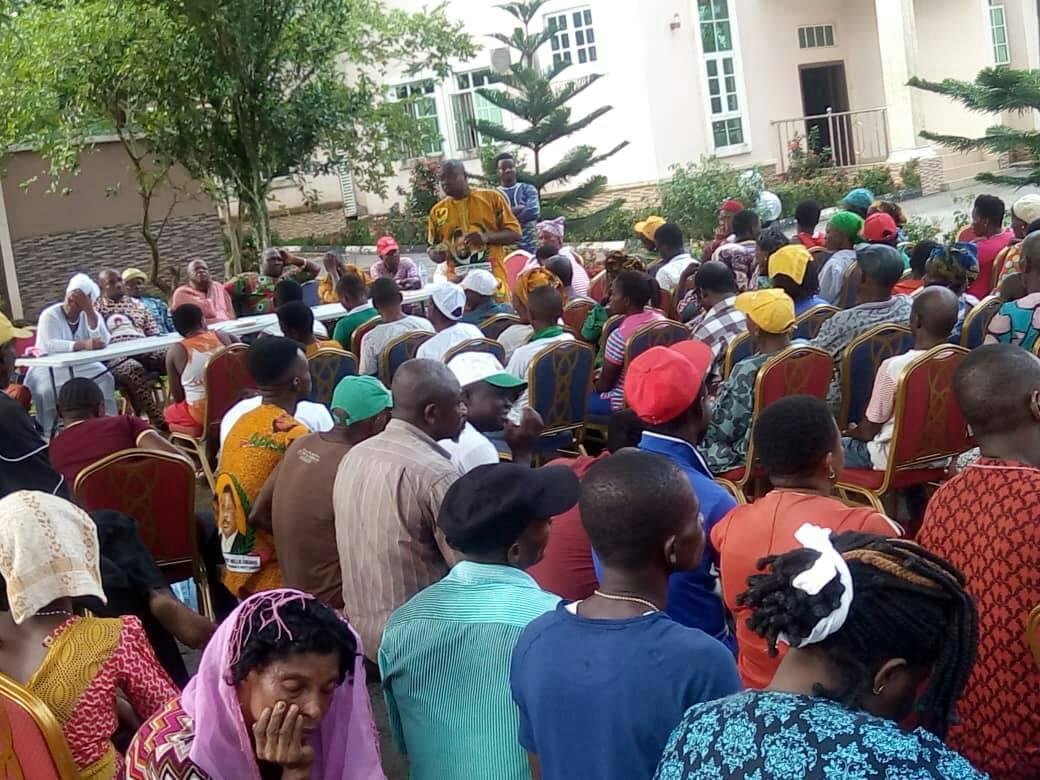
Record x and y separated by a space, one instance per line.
467 105
573 37
725 92
816 37
998 26
422 107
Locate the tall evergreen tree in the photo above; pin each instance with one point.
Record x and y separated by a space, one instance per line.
994 91
531 96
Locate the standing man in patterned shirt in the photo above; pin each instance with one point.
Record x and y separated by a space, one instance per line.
523 200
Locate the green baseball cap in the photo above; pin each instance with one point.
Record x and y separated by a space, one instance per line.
361 397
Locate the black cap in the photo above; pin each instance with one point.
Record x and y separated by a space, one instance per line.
488 508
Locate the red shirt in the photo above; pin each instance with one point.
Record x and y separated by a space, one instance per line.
89 441
566 567
767 527
989 247
984 522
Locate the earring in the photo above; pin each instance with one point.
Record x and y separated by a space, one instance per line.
878 689
831 475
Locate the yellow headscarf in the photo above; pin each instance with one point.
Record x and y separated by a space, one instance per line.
533 278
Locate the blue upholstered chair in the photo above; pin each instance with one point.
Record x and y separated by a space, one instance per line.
808 324
490 346
976 323
559 382
860 363
400 350
328 366
662 333
310 293
741 347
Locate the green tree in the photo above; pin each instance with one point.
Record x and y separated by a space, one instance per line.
994 91
531 96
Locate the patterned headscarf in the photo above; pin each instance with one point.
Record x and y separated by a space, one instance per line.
956 264
533 278
848 223
616 262
553 226
48 551
860 198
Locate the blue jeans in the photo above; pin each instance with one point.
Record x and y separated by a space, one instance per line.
598 406
856 454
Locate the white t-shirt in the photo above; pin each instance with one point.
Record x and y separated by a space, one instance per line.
521 361
513 337
437 347
471 450
882 406
319 330
669 273
315 416
375 340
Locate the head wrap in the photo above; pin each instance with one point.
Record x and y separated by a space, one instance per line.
732 206
956 264
85 284
48 551
536 277
828 567
1027 208
616 262
859 198
848 223
553 226
345 743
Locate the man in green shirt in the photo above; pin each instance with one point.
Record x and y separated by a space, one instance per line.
353 296
445 654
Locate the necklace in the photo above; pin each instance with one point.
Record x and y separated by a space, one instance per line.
54 613
633 599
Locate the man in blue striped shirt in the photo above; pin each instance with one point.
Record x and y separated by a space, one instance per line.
445 654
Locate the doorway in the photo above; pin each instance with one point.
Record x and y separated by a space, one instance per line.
824 87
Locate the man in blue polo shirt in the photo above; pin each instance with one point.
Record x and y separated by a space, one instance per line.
665 387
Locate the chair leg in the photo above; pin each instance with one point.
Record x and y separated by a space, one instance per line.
202 585
200 449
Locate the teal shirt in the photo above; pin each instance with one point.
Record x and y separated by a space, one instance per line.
445 660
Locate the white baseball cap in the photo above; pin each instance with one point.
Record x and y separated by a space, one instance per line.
450 299
480 281
472 367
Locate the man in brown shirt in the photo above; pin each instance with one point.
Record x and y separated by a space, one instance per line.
302 515
387 494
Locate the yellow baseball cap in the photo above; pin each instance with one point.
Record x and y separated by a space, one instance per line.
647 228
791 261
9 332
772 310
134 273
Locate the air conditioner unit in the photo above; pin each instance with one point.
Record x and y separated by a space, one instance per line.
500 60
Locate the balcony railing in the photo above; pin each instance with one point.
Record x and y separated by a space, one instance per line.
849 138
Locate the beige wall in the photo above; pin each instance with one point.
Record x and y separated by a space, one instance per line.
102 194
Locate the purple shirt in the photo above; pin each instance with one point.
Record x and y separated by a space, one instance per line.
407 269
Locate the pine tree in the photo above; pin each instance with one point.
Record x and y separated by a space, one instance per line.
531 96
994 91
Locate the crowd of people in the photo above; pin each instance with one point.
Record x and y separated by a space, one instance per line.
616 612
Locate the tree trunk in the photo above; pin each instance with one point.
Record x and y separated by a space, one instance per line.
233 231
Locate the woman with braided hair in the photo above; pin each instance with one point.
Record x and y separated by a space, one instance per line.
878 629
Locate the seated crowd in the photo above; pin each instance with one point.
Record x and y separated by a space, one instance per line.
526 607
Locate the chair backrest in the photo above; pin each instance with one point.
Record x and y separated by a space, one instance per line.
738 349
490 346
156 489
310 293
808 324
559 382
598 287
976 322
360 331
1033 632
226 377
328 366
515 263
929 425
493 327
860 363
398 351
32 740
849 295
575 312
662 333
666 303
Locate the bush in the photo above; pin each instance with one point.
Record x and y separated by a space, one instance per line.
617 226
423 188
910 174
696 191
877 179
921 229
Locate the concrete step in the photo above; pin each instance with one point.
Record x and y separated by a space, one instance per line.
953 158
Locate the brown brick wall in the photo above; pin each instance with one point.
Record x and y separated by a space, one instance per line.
45 263
308 223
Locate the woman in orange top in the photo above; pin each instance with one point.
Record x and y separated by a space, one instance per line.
799 446
186 367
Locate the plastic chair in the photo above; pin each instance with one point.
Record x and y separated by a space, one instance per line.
398 351
156 489
738 349
226 377
860 363
360 331
490 346
929 428
33 742
1033 632
575 312
798 370
515 263
662 333
849 294
310 293
493 327
559 382
976 323
328 366
808 324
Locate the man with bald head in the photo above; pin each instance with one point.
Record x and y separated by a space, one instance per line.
1018 322
470 228
202 291
386 496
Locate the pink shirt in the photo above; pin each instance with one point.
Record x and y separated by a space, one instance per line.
216 304
989 248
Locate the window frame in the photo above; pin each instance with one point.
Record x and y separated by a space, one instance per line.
471 90
717 57
573 51
438 115
817 30
994 9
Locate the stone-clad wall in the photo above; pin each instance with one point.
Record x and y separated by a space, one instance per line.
45 263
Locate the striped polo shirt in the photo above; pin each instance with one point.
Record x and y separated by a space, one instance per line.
445 659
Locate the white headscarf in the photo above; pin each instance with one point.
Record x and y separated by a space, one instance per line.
828 567
86 285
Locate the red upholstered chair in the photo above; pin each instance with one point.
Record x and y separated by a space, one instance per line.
798 370
575 312
32 744
157 489
598 289
359 333
226 380
515 263
929 427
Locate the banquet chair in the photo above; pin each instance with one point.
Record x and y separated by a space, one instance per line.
328 366
32 742
738 349
359 333
493 327
859 365
976 322
515 263
1033 632
598 288
808 324
575 312
490 346
662 333
399 351
849 295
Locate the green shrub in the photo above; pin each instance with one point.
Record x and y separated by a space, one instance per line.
877 179
910 174
921 229
696 191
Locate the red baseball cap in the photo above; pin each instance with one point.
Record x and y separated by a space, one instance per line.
880 227
386 244
663 382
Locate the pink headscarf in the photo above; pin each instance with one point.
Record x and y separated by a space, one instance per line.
345 744
553 226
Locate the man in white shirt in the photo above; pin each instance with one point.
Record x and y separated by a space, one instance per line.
286 291
671 246
545 306
387 300
490 392
448 305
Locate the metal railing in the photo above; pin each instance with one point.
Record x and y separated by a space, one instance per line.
848 138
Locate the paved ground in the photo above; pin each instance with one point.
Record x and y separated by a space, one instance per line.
942 206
